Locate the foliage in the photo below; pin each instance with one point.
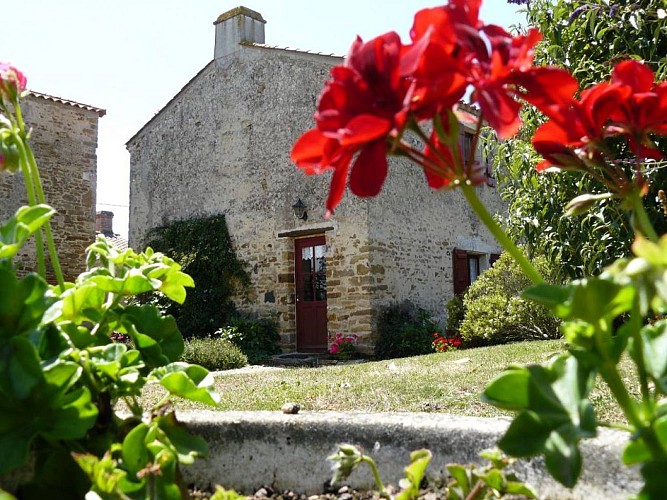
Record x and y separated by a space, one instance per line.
490 481
258 339
444 344
587 37
552 401
404 330
343 346
61 374
213 353
204 248
495 311
455 313
468 482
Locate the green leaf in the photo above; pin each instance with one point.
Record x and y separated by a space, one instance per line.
135 453
187 446
414 473
174 286
75 302
26 221
22 303
20 369
654 343
509 390
461 477
550 296
636 452
520 489
157 337
187 381
494 479
594 299
50 410
563 459
526 435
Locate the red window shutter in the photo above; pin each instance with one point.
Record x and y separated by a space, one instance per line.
461 272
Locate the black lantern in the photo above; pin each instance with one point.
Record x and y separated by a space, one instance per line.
300 210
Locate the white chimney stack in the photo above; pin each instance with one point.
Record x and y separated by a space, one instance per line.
235 26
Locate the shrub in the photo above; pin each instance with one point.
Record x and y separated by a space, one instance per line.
455 313
214 353
257 338
404 330
496 314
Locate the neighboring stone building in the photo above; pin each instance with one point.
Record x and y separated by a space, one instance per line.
64 140
222 144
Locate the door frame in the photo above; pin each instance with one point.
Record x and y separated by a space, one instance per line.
311 316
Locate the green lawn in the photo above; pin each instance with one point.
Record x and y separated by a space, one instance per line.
442 382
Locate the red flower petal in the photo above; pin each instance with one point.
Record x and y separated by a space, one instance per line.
369 170
364 128
635 74
309 148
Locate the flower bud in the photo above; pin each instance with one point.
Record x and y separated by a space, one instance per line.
583 203
9 155
12 83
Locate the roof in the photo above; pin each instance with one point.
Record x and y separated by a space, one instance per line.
115 240
100 112
289 49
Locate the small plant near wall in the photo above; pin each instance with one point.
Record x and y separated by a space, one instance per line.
70 352
343 347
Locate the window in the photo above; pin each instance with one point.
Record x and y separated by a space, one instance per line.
466 141
468 266
466 147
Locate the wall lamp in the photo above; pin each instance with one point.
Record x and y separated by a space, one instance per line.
299 209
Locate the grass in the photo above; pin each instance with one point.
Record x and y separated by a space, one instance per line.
442 382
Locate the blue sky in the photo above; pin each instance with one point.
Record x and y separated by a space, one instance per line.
131 56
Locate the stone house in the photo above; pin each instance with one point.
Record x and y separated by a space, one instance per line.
64 141
222 144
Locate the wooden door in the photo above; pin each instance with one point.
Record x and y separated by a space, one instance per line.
311 294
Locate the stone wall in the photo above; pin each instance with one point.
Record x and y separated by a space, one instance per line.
222 146
64 140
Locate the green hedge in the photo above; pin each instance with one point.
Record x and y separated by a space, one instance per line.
257 338
495 313
404 330
213 353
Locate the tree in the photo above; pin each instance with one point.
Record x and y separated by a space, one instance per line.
587 38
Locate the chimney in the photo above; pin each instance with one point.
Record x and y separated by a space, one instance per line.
104 223
235 26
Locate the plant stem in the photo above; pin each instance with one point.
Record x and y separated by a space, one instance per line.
611 376
55 262
488 220
636 324
32 200
640 221
376 474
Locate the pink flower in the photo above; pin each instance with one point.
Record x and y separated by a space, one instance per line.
12 82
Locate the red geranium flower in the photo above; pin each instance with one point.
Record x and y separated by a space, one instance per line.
643 111
359 107
578 127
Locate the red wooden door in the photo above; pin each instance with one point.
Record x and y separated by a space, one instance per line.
311 294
